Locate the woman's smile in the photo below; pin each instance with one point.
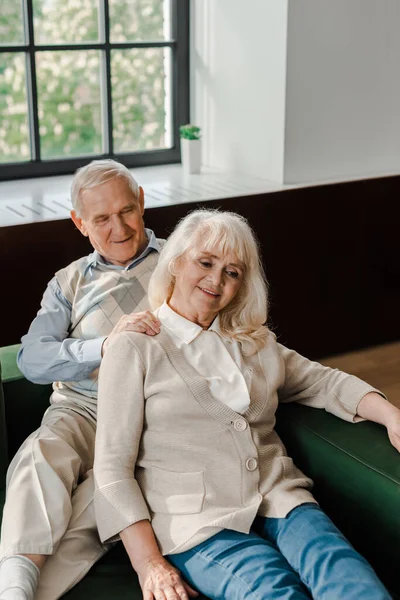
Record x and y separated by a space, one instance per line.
218 277
209 292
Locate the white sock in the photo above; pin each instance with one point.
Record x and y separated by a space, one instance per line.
18 578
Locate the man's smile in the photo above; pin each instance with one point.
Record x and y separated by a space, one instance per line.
123 241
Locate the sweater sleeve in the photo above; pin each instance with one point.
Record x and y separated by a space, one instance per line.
312 384
118 499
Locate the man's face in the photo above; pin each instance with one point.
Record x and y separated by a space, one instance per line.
112 218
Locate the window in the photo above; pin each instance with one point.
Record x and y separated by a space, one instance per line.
85 79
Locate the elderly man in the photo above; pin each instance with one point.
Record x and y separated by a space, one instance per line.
48 522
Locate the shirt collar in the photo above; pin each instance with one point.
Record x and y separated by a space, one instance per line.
185 330
95 258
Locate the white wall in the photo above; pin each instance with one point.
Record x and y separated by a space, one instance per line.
343 89
238 67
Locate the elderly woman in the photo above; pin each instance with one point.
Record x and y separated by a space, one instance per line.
188 465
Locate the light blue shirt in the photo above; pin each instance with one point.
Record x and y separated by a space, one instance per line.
47 353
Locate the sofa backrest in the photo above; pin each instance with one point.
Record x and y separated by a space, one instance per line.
330 253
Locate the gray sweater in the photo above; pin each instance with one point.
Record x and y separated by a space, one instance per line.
167 451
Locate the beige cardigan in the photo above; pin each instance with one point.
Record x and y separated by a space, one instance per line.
167 451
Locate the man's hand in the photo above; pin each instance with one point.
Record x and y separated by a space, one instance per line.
161 581
142 322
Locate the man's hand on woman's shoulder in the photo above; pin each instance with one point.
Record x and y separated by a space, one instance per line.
141 322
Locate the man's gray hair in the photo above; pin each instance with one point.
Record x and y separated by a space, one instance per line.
96 173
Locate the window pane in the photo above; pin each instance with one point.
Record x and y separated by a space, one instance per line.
14 128
139 20
69 103
140 98
11 23
65 21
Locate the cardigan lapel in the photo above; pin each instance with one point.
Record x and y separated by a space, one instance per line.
200 389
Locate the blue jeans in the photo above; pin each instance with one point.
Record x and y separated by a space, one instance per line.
300 557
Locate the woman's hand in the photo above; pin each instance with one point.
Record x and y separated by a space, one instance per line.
158 579
393 429
161 581
142 322
375 408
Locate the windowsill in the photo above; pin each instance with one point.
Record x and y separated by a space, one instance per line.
48 198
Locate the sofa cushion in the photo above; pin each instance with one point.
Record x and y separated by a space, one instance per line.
112 577
357 480
356 472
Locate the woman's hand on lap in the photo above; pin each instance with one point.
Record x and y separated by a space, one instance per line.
159 580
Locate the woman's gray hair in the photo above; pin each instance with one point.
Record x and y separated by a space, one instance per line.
96 173
225 232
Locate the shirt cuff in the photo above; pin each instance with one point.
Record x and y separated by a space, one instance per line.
91 350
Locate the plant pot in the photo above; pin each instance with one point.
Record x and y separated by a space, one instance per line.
191 155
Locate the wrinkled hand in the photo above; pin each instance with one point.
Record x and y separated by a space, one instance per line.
142 322
161 581
393 429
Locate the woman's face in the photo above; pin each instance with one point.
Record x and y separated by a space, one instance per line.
205 283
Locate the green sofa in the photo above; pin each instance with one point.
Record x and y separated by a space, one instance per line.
355 470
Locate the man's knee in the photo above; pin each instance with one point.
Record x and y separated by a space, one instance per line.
42 456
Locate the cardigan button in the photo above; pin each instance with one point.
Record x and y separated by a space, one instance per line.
240 425
251 464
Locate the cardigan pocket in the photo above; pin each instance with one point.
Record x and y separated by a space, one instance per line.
171 492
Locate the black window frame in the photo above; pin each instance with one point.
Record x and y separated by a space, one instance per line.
179 44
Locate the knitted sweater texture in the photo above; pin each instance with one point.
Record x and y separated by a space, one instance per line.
99 297
167 451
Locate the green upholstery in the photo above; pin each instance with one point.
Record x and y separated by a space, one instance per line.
355 470
357 480
25 402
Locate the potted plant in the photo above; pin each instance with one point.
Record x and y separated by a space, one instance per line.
190 148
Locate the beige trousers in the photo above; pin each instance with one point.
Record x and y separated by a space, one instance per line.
49 501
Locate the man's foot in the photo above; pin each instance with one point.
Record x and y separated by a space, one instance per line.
18 578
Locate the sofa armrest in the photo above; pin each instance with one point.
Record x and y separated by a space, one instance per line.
3 437
9 372
356 473
24 401
8 360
